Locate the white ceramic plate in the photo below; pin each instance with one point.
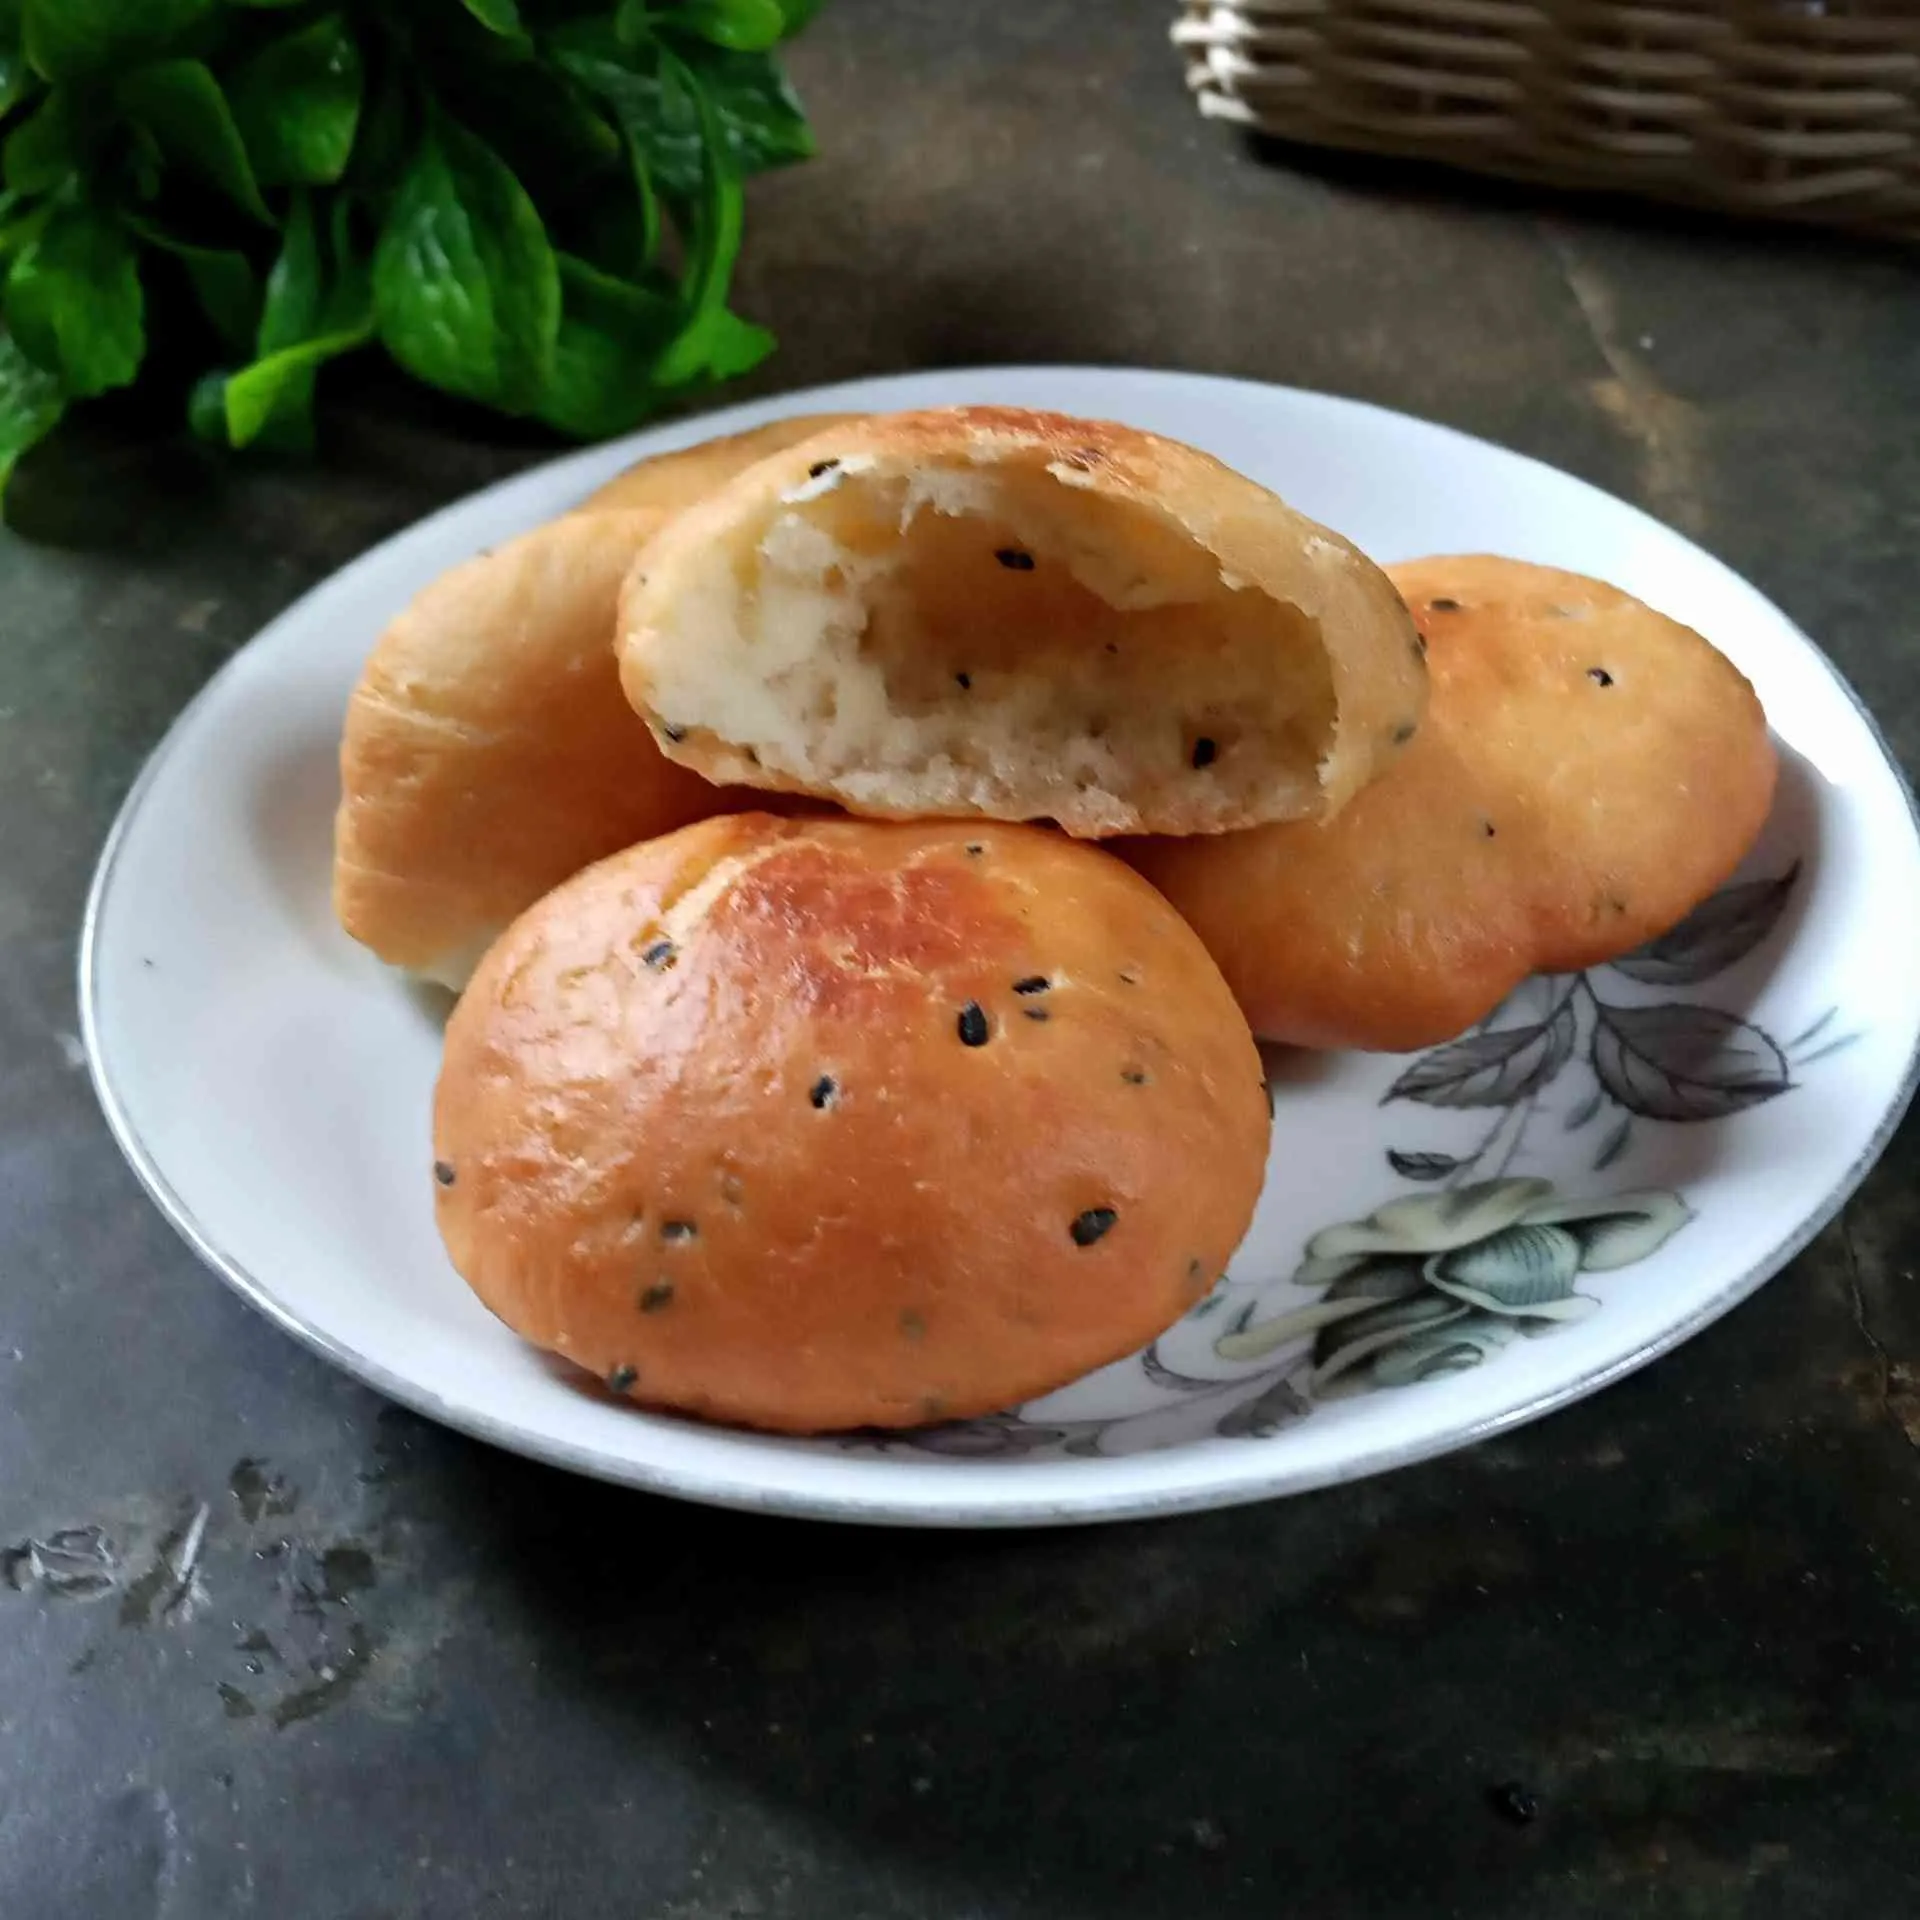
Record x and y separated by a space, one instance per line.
1616 1160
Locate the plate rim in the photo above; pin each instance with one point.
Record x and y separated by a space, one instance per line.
738 1493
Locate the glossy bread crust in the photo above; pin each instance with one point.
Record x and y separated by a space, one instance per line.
1589 771
487 753
820 1124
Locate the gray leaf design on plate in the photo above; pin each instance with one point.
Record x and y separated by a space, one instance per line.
1490 1069
1684 1062
1440 1350
994 1437
1620 1230
1416 1225
1386 1277
1725 928
1526 1269
1163 1375
1374 1282
1614 1145
1421 1166
1433 1282
1345 1346
1277 1406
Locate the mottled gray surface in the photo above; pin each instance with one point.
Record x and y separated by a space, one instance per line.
406 1676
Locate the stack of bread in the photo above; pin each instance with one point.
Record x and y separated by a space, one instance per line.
814 1067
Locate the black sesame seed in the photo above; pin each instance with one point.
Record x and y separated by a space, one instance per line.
1130 976
974 846
1033 983
1205 752
621 1378
972 1025
1516 1803
823 1091
659 1295
443 1173
1036 1013
661 955
671 731
1444 606
1487 828
1404 732
1134 1076
674 1232
1092 1225
821 466
1113 646
1013 559
1194 1268
1600 676
965 681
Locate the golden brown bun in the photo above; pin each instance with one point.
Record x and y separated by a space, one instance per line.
669 482
986 611
816 1124
487 753
1589 771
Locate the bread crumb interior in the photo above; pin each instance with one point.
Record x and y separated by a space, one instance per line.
994 640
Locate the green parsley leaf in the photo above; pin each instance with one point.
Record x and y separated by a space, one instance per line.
222 278
31 403
536 205
500 16
183 108
466 287
74 304
77 39
49 146
297 102
747 26
611 332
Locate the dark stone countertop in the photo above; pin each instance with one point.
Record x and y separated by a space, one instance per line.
1686 1613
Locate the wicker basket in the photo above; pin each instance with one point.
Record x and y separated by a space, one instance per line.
1808 109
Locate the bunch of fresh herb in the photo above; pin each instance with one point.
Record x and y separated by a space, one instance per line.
534 204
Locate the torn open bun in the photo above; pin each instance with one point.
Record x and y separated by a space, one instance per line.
990 611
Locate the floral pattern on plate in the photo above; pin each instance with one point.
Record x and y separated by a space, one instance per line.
1430 1284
